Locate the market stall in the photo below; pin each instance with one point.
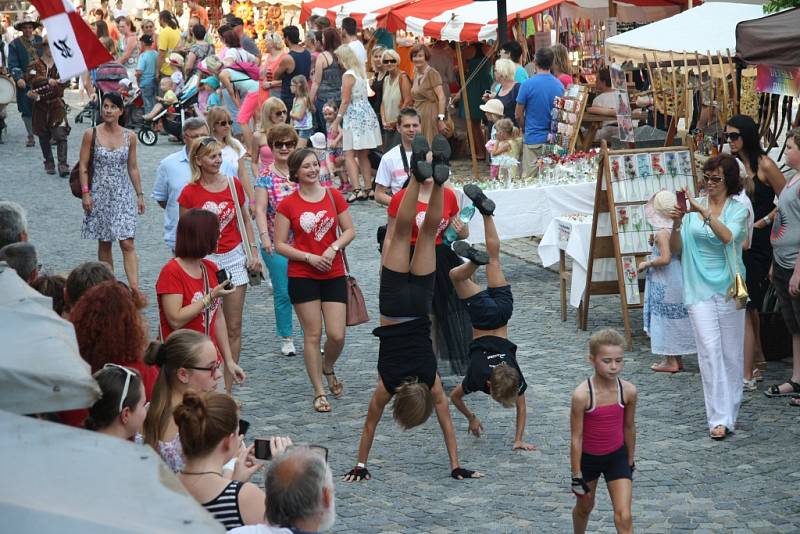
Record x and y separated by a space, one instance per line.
368 14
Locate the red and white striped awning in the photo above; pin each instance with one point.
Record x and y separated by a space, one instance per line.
368 13
460 20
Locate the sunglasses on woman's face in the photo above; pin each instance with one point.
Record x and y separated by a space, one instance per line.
733 136
282 112
224 123
285 144
712 178
389 61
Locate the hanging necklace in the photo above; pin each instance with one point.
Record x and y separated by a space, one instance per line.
202 473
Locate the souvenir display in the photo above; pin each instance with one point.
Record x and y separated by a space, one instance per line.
566 115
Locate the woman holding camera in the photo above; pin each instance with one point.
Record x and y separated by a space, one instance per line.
209 189
317 286
187 289
709 237
208 426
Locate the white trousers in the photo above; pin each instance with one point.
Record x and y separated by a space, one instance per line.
719 333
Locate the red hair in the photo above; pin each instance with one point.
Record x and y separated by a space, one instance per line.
108 325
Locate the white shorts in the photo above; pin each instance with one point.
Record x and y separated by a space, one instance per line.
235 262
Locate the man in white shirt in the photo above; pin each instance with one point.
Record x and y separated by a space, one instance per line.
173 174
393 172
350 36
605 103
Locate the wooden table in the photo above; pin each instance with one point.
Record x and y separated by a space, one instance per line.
593 122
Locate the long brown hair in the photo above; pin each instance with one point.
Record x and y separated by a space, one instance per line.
205 419
180 350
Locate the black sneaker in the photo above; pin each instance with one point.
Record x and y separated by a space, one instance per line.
420 167
441 150
465 250
484 204
441 173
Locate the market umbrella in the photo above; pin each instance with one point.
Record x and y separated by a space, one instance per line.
770 40
63 479
41 369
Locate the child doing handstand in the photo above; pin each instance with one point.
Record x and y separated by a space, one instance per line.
493 365
406 361
602 422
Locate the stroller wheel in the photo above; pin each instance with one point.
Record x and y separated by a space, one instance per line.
147 136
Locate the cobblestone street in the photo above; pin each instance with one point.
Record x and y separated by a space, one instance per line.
684 480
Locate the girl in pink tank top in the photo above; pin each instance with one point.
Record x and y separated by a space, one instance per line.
603 433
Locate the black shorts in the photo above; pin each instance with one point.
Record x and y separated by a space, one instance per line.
310 289
491 308
405 294
612 466
790 306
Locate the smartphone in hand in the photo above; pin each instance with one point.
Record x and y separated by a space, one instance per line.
683 203
244 425
263 449
223 278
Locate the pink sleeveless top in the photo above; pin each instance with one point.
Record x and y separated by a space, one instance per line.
265 159
603 425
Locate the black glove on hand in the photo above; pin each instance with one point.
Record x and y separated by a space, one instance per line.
357 474
459 473
580 487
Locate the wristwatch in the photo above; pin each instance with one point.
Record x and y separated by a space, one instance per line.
335 247
767 220
440 116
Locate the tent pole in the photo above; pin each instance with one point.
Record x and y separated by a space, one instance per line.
502 22
612 9
467 114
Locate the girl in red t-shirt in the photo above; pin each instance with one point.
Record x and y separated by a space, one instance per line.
187 289
209 190
317 286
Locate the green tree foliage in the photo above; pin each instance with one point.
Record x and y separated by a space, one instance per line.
773 6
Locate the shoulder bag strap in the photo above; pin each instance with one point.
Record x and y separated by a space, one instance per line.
91 149
239 218
206 311
338 231
404 157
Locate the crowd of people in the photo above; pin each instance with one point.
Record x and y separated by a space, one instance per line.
279 144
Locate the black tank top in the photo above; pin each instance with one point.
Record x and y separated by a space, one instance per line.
302 65
763 198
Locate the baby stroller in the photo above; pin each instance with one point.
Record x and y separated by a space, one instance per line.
107 78
134 106
172 117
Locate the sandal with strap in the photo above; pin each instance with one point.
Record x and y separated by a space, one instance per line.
353 196
715 434
321 404
362 194
337 388
775 390
794 401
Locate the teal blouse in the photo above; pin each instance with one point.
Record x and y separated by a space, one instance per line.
704 258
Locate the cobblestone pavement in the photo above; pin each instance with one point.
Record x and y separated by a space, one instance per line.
684 480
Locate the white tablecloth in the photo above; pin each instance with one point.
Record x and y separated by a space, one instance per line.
528 211
573 235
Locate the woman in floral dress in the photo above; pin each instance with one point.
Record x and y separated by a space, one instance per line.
361 131
115 196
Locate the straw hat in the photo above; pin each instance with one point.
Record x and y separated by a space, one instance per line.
27 19
658 209
493 106
318 140
176 59
211 65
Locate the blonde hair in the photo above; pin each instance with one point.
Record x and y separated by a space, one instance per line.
504 384
395 56
561 63
507 127
413 403
201 148
605 337
216 114
301 83
275 38
269 106
505 69
349 60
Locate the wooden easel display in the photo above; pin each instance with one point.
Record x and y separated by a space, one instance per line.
566 117
625 182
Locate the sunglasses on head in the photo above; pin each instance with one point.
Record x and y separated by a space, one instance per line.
389 61
207 141
733 136
128 375
712 178
211 368
285 144
224 123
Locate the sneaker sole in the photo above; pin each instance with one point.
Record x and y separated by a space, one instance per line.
420 148
423 171
465 250
441 149
441 173
484 204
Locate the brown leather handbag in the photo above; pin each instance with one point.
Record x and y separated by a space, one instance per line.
356 306
75 174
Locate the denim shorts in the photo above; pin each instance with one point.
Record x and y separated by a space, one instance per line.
490 308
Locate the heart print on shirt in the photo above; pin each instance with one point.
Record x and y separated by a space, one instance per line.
316 223
224 212
421 218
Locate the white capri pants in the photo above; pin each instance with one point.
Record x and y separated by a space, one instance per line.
719 332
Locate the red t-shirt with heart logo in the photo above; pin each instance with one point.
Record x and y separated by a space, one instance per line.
220 203
449 210
314 227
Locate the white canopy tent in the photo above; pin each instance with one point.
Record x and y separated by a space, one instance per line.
709 27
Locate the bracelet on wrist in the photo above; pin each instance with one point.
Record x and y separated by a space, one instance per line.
84 189
361 465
